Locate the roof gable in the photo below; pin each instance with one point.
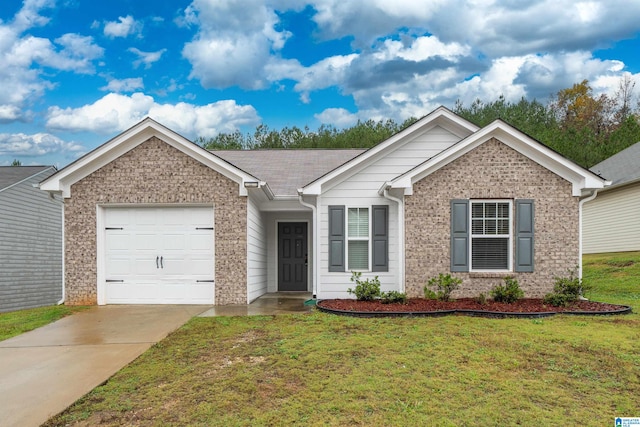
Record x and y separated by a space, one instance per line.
129 139
621 168
12 175
580 178
441 117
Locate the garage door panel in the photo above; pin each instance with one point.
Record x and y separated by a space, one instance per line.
133 255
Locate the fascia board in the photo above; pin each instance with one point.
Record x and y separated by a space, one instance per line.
121 144
578 176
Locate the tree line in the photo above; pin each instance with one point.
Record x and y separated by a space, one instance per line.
574 122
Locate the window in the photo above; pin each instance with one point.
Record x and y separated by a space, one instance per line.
490 235
358 239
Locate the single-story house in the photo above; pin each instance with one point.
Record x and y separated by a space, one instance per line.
30 239
611 220
151 217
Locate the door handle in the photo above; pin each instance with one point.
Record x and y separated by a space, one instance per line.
157 265
161 264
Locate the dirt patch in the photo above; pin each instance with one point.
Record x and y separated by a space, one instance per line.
421 305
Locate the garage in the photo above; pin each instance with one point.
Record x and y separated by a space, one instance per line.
158 255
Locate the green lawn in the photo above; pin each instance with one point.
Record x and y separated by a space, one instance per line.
321 369
17 322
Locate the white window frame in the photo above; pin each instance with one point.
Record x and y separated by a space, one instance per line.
497 236
361 239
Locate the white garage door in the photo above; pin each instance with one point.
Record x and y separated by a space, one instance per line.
159 255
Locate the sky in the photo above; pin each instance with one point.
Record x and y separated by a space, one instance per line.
76 73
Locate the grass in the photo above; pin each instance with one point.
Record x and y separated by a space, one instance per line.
17 322
320 369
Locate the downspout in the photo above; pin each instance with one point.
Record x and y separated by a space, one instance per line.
400 203
315 255
64 294
593 195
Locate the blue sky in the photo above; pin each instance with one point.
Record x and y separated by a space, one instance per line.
75 73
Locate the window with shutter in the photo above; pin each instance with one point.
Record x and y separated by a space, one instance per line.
490 235
358 239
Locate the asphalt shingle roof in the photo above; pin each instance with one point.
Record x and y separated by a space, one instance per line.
10 175
287 170
621 167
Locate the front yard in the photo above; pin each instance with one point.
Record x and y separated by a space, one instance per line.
322 369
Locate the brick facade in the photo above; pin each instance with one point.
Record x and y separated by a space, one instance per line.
154 172
491 171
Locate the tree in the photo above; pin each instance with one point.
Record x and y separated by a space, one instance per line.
16 162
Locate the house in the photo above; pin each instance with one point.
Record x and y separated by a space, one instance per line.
30 239
612 219
152 218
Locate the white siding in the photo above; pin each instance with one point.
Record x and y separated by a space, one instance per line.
30 246
611 222
361 190
256 252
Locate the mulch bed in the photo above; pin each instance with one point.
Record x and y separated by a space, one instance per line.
528 307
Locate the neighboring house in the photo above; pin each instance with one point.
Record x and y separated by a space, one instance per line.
30 239
611 221
152 218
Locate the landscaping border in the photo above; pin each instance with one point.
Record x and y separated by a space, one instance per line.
624 309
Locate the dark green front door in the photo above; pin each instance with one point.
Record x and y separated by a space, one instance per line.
292 256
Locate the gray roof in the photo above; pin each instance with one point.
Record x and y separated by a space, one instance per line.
10 175
287 170
622 167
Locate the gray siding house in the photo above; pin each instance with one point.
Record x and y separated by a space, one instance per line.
30 239
612 219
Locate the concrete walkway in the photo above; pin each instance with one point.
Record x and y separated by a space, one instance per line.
44 371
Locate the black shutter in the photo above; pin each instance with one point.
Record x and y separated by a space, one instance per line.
336 238
380 236
459 235
524 235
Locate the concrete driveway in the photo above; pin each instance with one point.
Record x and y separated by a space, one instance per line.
44 371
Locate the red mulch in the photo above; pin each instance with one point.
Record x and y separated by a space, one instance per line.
424 305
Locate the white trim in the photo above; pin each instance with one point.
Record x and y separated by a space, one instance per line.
497 236
62 181
580 228
401 242
440 117
579 177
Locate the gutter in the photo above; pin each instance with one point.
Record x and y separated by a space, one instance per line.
52 196
593 195
384 192
315 233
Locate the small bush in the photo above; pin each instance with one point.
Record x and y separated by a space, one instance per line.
394 297
510 292
481 299
565 291
444 284
365 290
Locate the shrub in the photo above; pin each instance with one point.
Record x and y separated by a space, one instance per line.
393 297
509 292
565 291
481 299
365 290
444 284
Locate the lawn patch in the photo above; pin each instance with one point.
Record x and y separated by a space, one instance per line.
17 322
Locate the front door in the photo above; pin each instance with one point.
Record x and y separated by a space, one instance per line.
292 256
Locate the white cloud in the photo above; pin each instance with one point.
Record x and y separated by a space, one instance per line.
116 112
338 117
39 144
25 57
124 85
123 27
146 58
233 43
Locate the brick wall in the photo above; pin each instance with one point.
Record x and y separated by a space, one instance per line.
492 170
155 172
